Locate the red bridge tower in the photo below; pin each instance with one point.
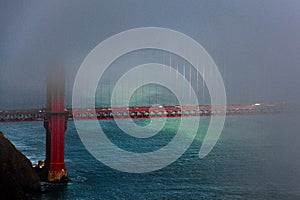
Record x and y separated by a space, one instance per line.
55 125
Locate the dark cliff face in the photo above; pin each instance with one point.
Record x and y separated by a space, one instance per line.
17 178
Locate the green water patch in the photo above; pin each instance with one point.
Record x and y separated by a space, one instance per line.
163 137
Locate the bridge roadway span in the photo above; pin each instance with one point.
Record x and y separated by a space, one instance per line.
136 112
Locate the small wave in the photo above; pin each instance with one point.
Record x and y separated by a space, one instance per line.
78 179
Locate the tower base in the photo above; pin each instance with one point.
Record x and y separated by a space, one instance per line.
58 176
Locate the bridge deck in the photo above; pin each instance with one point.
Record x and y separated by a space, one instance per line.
138 112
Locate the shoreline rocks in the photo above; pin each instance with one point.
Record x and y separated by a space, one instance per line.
18 180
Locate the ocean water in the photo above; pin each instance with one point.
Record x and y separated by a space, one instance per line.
256 157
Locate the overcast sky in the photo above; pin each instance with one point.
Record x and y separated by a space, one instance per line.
255 44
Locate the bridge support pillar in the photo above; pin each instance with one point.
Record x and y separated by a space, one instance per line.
55 125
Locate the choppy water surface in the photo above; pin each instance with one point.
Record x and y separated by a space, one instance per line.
256 157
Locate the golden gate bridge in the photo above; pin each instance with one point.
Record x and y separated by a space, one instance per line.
55 115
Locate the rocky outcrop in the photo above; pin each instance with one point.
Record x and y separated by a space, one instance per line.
17 178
